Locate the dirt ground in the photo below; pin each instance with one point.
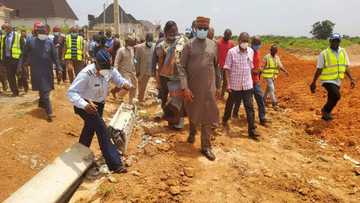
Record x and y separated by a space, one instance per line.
298 159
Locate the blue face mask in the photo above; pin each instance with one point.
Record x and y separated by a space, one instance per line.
256 47
202 34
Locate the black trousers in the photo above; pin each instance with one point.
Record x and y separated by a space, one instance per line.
23 78
44 102
63 75
333 97
95 123
237 97
11 67
164 91
259 98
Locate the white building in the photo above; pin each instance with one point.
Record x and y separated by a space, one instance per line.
51 12
128 24
4 14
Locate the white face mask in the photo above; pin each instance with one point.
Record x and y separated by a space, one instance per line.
244 45
202 34
42 37
149 44
106 74
56 33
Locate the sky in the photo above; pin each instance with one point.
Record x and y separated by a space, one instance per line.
257 17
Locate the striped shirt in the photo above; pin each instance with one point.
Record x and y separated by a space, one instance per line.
240 65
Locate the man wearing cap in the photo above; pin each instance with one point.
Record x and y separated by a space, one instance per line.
12 45
41 53
125 63
200 81
74 52
88 94
333 65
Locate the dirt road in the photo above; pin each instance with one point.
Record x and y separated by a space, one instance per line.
299 157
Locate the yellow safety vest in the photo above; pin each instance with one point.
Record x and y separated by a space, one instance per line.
79 48
272 69
15 49
334 67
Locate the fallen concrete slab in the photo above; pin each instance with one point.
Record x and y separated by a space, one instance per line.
122 125
57 180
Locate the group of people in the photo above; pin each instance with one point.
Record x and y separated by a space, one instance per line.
192 71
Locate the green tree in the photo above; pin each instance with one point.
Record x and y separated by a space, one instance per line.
323 29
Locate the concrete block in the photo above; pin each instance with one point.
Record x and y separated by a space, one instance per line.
54 182
122 125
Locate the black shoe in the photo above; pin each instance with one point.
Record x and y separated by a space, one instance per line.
191 139
225 124
121 169
254 135
263 122
327 117
50 118
208 154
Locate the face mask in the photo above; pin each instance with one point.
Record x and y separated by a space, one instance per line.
106 73
56 33
171 38
244 45
149 44
42 37
202 34
256 47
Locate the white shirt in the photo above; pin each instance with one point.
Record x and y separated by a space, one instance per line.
91 87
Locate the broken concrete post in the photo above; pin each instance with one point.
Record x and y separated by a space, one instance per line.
121 126
57 181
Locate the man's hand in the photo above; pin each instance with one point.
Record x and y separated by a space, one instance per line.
256 70
126 86
188 96
313 87
91 108
19 70
286 73
228 89
218 93
353 84
58 76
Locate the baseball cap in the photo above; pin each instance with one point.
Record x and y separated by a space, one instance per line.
335 36
103 58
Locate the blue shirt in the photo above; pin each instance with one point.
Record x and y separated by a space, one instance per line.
92 87
8 43
109 42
